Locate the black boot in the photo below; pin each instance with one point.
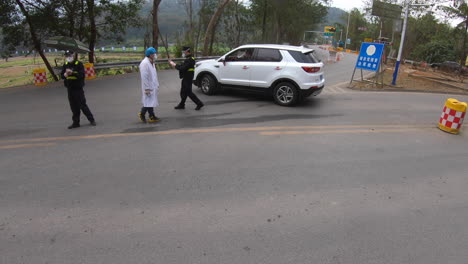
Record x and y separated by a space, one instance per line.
73 126
199 106
179 106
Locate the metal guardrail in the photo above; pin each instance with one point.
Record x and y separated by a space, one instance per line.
136 63
412 62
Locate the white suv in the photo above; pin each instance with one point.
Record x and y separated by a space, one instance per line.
289 73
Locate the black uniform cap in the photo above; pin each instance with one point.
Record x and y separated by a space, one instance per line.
185 48
69 52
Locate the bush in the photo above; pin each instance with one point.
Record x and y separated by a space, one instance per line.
100 60
435 51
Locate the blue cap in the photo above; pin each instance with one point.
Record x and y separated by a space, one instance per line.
150 51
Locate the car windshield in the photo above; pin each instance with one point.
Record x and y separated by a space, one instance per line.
300 57
240 55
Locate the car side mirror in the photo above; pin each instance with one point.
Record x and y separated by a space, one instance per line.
223 61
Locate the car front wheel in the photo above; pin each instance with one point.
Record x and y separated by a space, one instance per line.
286 94
208 84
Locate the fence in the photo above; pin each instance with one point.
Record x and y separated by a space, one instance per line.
135 63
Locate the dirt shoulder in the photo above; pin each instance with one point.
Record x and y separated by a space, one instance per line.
413 79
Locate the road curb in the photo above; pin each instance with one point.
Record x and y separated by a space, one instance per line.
346 85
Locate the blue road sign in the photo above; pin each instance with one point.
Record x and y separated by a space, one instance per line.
370 56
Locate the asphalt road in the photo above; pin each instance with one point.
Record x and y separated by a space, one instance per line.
346 177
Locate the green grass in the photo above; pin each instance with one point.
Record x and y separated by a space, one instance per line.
15 81
28 62
25 76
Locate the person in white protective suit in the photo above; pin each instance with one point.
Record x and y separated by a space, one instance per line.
149 86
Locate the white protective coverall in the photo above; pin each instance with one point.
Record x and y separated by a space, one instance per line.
149 81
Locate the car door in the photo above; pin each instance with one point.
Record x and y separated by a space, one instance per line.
268 64
235 70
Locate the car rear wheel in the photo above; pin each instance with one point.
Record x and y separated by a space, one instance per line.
286 94
208 84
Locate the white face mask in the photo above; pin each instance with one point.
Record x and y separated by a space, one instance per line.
69 59
155 56
183 54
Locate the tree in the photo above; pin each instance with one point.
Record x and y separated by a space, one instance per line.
260 10
359 29
85 20
156 32
286 20
113 18
206 11
435 51
426 35
209 35
35 39
188 4
11 28
89 20
6 48
93 30
460 12
236 25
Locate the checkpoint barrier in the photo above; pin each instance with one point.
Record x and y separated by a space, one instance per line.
90 73
40 76
452 116
339 56
338 49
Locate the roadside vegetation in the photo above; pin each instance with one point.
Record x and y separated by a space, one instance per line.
19 70
212 27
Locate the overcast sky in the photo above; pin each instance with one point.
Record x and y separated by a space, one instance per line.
347 4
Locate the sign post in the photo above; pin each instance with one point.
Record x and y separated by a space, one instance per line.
329 31
403 33
370 59
382 9
400 49
347 29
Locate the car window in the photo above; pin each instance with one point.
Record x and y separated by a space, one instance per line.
268 55
303 57
240 55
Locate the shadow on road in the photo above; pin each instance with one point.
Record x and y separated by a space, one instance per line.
277 113
245 96
207 121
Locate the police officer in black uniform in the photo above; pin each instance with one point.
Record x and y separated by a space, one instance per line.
186 71
74 76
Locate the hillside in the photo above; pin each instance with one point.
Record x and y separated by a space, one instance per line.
173 17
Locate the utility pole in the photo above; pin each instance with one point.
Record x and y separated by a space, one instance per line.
403 33
400 50
380 32
347 29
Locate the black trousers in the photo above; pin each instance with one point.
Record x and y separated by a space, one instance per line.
77 100
186 91
150 111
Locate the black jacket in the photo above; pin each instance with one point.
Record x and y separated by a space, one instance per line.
76 79
187 68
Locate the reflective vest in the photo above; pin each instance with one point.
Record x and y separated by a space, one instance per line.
72 77
191 69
